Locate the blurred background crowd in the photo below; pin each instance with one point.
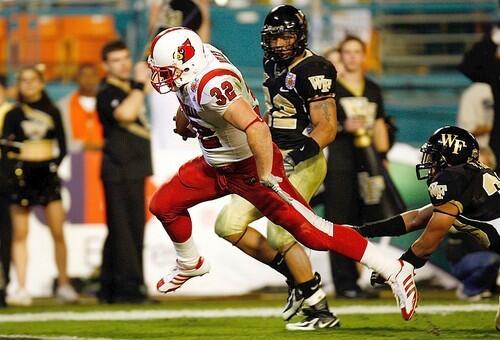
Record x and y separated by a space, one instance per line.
427 63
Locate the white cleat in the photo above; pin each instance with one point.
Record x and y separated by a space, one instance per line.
180 274
404 289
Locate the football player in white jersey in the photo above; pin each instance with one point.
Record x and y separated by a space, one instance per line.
239 157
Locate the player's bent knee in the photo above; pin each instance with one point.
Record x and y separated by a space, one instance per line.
227 224
162 206
280 240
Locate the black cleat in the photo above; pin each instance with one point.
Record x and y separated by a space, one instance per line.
317 316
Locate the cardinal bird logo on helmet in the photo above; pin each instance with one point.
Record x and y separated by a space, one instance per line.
185 51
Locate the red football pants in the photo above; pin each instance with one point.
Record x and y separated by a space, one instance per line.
197 182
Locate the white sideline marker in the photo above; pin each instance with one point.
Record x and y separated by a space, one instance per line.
227 313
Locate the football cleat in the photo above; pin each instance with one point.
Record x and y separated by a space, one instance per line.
317 315
404 289
315 320
294 302
180 274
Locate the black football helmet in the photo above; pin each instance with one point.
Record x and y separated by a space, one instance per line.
288 23
448 146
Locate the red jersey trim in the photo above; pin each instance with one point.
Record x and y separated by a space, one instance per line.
210 75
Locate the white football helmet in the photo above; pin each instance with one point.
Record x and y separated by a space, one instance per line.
176 56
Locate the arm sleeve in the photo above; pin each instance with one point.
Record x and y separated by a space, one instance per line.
316 79
60 135
220 92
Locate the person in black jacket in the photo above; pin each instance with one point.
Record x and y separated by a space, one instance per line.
126 164
482 64
35 127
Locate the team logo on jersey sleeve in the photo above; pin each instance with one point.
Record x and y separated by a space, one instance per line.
320 83
185 51
438 190
290 80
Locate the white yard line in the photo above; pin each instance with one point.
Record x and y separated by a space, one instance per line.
46 337
226 313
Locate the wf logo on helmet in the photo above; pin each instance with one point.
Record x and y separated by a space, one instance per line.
185 51
451 141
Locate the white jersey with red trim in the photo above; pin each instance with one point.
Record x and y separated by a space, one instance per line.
204 101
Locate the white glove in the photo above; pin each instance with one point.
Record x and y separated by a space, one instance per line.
289 165
273 182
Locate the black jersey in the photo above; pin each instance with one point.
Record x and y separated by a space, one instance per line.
475 190
39 120
288 93
127 150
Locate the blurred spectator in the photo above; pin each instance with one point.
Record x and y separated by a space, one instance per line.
475 114
474 266
84 132
78 109
482 64
359 107
125 166
333 55
32 177
5 222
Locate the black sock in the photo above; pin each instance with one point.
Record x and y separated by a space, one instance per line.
279 264
310 287
393 226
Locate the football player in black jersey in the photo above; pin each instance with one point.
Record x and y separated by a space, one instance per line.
299 87
464 194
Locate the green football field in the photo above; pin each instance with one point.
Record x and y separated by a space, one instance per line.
254 317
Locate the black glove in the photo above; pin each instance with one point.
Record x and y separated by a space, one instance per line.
376 279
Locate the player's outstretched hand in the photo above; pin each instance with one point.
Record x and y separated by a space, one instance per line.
273 182
376 279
